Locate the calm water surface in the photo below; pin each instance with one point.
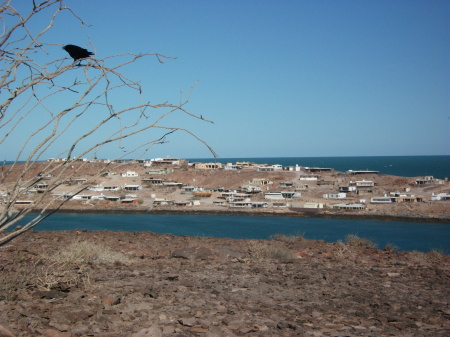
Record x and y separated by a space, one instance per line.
406 235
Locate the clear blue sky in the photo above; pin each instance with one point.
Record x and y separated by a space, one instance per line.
286 78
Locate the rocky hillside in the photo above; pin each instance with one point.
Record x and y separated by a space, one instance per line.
79 283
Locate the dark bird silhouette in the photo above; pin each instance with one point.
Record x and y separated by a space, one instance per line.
77 53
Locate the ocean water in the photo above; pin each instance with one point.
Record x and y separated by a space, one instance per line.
406 235
405 166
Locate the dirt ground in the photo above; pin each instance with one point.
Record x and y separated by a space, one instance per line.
80 283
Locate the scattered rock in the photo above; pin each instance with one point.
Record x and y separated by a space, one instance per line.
212 287
184 253
4 332
148 332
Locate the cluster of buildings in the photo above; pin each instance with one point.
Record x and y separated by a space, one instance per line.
342 191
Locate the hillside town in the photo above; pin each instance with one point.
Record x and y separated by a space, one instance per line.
173 184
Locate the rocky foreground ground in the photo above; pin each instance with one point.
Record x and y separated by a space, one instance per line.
80 283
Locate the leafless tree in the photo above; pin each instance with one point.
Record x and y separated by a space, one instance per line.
69 107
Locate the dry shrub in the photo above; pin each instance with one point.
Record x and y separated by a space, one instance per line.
288 238
62 276
280 254
355 241
344 251
432 257
70 267
83 252
391 247
436 256
262 250
257 249
14 276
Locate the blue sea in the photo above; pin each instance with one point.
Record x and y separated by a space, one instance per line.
405 166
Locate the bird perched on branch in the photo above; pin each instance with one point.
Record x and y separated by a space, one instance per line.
77 53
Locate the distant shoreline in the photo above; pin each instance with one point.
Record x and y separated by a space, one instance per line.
329 215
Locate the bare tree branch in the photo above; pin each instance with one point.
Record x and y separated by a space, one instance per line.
70 109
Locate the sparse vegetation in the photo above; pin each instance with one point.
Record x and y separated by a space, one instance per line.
62 270
288 238
355 241
343 251
391 247
262 250
85 252
14 276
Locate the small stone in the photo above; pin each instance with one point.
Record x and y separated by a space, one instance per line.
4 332
286 325
111 300
172 277
187 321
199 330
393 274
183 253
148 332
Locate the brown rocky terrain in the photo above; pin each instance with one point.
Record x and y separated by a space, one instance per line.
80 283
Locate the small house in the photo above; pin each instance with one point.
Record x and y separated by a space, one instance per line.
207 166
130 174
425 180
260 182
382 200
250 189
440 196
131 187
348 189
313 205
348 206
363 183
335 195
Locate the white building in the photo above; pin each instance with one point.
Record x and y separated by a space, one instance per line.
130 174
381 200
309 177
364 183
250 189
313 205
282 195
335 195
97 188
132 187
440 196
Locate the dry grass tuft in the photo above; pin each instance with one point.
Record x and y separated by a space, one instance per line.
67 268
391 247
344 251
355 241
15 276
61 276
83 252
262 250
433 257
288 238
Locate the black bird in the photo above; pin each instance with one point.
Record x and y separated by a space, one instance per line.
77 53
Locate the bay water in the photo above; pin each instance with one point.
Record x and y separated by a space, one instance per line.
405 235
